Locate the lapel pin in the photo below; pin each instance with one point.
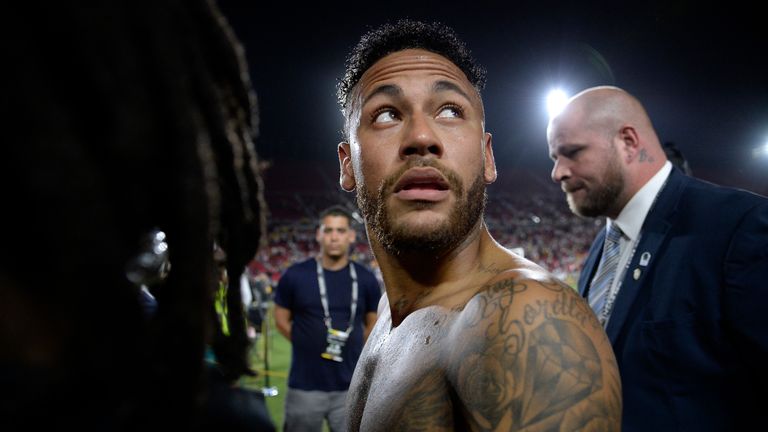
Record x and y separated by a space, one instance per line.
636 274
645 258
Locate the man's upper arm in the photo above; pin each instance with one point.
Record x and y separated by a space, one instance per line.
746 279
284 290
283 319
528 355
282 315
283 301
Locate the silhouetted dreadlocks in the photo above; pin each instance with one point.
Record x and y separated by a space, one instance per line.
124 116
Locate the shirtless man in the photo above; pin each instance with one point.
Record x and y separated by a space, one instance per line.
469 336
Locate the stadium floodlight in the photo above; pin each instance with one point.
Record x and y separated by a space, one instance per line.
556 100
761 151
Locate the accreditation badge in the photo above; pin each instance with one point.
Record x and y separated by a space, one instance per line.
336 340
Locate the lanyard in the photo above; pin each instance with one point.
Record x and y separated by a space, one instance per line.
613 290
324 296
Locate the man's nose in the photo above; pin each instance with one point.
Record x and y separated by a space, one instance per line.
560 171
420 138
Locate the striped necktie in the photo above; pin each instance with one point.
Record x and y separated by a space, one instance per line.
606 270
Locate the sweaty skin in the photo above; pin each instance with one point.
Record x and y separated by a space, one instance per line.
517 351
470 337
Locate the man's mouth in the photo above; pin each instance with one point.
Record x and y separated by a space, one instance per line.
572 188
422 184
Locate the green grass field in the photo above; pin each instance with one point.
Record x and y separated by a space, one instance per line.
273 372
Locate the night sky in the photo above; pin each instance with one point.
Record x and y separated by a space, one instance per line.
701 72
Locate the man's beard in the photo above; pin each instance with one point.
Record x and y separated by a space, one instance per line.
334 255
600 200
397 239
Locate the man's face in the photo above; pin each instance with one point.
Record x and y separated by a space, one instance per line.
588 167
418 155
335 236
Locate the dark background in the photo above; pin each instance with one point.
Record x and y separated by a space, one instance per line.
701 72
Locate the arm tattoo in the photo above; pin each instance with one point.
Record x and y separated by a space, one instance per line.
567 305
533 365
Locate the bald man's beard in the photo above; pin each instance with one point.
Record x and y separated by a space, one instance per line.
398 238
601 199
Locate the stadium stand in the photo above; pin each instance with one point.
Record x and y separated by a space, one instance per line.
525 212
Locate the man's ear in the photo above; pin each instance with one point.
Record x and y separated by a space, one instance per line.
629 142
489 173
346 173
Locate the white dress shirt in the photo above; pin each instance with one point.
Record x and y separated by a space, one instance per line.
630 221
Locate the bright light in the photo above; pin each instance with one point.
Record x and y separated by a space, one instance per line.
556 100
761 151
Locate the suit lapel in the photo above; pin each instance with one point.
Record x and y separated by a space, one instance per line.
590 264
653 235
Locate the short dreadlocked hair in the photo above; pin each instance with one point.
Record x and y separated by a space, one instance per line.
406 34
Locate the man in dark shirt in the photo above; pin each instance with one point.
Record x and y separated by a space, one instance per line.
325 306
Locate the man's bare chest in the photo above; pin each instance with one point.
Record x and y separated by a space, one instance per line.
403 377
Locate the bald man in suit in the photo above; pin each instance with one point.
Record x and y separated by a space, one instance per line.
682 288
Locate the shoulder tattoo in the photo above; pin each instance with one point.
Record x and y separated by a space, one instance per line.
525 359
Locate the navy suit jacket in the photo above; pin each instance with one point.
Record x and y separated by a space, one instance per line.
689 326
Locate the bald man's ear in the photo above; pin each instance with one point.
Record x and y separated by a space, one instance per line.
346 173
629 142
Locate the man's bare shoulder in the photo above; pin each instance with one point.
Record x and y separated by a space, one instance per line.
527 352
525 284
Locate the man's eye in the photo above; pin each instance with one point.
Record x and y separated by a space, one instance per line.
571 153
450 112
384 116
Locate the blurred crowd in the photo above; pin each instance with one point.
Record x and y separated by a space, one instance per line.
536 223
